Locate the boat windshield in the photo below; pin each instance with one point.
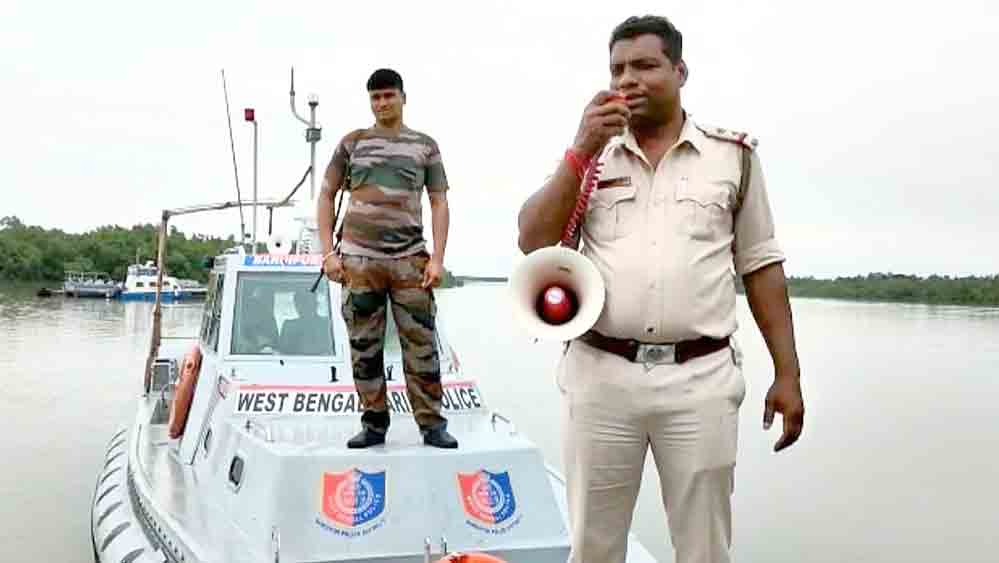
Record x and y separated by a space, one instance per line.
276 313
140 271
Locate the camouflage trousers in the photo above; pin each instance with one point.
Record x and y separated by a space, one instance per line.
369 283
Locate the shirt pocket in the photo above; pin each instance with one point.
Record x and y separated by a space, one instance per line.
705 207
611 213
358 175
412 176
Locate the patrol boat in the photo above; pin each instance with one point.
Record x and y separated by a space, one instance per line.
260 471
237 451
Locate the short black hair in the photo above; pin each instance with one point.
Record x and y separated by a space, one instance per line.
656 25
384 78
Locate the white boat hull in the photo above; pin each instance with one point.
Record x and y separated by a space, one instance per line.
144 511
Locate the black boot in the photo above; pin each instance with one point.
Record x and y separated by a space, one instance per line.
366 438
439 438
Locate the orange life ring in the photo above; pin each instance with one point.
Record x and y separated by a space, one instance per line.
184 394
470 558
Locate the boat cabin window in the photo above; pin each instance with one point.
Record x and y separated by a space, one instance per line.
212 319
276 313
139 284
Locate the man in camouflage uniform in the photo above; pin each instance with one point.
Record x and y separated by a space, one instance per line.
383 256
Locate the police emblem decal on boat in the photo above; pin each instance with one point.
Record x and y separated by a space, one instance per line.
353 502
488 500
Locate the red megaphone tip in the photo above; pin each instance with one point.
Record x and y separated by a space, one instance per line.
557 305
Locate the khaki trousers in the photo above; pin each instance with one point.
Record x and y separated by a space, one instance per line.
613 412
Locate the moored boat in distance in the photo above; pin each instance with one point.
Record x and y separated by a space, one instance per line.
88 284
141 284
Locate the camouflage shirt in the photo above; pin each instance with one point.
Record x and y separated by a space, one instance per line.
387 174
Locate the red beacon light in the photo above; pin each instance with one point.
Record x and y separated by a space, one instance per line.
248 114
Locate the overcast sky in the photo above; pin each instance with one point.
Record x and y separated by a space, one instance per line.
877 120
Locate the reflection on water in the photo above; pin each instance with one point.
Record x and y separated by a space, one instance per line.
896 463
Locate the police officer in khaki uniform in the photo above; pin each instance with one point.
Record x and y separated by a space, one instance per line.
679 207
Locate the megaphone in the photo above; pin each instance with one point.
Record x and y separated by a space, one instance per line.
558 294
278 243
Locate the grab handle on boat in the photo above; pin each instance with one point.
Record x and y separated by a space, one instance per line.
163 393
276 544
497 416
426 548
250 425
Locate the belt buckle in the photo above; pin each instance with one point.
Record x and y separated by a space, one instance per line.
656 354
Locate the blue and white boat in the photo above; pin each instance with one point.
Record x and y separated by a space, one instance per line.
140 285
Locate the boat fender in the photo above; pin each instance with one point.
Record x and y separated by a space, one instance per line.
181 405
470 558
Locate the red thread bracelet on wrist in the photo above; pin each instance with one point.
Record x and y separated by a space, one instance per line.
577 162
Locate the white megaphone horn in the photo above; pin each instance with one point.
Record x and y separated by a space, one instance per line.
558 294
553 273
278 243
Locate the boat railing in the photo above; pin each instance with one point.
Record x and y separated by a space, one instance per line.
161 259
427 549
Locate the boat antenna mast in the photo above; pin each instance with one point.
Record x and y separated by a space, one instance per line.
235 171
313 133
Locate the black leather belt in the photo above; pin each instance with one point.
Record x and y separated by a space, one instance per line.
651 353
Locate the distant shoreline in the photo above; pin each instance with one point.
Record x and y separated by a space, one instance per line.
979 291
480 279
795 291
30 254
969 292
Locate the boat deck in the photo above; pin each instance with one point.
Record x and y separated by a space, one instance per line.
287 458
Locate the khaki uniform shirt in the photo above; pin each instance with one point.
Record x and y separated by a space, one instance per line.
668 241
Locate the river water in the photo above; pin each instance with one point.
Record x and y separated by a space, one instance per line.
898 460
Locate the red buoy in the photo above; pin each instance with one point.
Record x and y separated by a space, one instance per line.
557 305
